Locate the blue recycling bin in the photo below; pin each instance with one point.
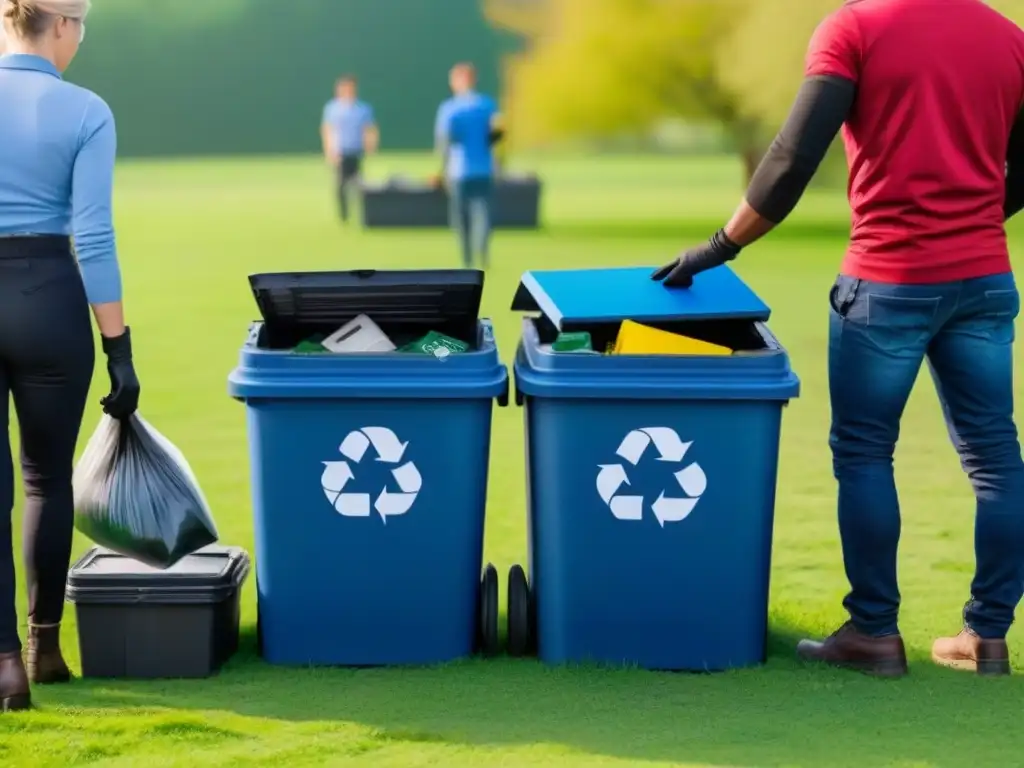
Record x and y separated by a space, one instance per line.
651 479
369 471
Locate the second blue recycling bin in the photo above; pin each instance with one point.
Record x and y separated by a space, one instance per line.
651 478
369 471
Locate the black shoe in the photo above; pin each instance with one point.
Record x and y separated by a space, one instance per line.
14 690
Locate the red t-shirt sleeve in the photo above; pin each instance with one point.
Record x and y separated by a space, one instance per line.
835 48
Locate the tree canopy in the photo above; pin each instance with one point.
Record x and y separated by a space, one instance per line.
595 68
598 67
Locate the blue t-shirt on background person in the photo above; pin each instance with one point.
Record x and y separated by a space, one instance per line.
463 128
348 121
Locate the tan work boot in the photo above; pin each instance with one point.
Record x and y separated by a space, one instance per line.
967 651
14 691
44 660
852 649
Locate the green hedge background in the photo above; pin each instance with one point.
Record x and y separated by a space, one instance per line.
202 77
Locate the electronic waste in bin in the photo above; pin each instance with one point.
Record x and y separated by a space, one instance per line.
369 470
651 479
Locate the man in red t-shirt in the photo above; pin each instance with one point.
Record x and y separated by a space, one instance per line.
928 94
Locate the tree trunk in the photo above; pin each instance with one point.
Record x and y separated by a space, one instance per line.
751 156
747 137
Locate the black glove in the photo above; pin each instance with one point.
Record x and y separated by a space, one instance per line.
496 135
123 399
715 252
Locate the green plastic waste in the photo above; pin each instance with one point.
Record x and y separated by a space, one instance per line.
311 345
436 344
578 341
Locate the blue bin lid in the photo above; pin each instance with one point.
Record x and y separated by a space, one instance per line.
594 296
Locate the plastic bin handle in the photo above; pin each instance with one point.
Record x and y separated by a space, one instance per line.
520 398
252 339
502 399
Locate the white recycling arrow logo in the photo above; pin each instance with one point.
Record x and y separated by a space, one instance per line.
667 508
390 450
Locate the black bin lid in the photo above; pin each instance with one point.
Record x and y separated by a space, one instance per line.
209 576
445 300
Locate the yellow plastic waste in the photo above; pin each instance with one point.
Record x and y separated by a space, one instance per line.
636 339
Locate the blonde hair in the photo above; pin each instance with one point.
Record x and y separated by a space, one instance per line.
28 19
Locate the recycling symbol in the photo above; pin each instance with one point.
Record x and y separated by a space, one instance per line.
390 450
667 508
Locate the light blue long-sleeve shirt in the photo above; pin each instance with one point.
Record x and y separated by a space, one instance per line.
57 148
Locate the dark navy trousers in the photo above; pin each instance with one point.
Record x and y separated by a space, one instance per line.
349 178
46 366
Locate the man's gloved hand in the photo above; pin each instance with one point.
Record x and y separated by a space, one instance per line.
123 399
715 252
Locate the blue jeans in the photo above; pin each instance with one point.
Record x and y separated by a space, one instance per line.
879 336
471 217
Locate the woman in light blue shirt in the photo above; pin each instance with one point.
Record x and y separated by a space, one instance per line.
57 148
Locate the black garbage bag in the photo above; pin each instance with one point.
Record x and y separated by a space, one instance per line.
135 494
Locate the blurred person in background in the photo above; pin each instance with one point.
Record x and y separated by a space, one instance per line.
468 126
348 132
930 93
57 149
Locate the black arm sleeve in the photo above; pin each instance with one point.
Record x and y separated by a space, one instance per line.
1015 169
821 108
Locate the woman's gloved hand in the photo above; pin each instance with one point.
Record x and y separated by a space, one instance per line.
123 399
715 252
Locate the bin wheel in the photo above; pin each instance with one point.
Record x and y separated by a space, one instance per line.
487 639
520 619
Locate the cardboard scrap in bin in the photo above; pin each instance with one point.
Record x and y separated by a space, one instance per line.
637 339
360 335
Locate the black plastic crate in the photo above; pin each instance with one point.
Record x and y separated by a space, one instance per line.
139 622
516 204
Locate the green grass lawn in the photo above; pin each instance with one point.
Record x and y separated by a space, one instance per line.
190 233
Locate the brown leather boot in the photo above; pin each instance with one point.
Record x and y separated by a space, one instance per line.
45 662
967 651
851 649
14 691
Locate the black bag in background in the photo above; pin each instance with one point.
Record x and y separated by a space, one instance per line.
135 494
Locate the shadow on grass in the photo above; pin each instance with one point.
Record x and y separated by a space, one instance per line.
784 714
